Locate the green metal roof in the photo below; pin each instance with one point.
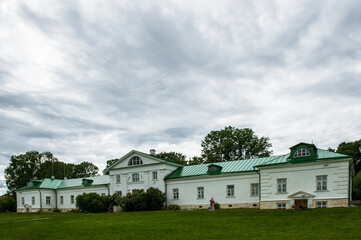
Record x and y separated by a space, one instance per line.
48 183
247 165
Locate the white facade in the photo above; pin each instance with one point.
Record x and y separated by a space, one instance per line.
274 182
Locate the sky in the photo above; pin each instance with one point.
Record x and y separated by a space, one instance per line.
93 80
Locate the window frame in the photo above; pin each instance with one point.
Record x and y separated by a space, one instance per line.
230 190
254 186
281 206
135 177
47 200
118 193
321 183
135 160
154 175
175 193
200 192
61 199
32 200
281 185
117 178
303 152
22 201
72 199
321 204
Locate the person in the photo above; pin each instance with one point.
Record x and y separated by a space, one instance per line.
212 204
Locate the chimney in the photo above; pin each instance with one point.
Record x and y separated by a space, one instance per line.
152 152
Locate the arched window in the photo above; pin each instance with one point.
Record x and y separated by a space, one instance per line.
302 153
135 161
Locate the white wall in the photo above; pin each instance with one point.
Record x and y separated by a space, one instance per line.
28 194
302 177
214 186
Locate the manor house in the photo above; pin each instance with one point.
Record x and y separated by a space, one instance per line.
304 177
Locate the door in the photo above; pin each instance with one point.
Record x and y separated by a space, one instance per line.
300 204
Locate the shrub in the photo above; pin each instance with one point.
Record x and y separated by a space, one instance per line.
91 202
217 206
8 204
139 200
113 200
174 207
56 210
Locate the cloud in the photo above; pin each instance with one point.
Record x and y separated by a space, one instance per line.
90 81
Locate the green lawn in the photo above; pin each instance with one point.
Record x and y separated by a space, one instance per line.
338 223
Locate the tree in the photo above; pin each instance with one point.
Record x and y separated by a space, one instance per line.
109 163
173 156
352 149
91 202
356 189
231 143
195 160
85 169
8 204
21 169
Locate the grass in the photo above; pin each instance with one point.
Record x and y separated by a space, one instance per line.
337 223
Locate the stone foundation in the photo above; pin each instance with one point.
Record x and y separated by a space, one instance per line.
331 203
223 206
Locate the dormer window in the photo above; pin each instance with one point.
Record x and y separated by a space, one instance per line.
135 161
302 153
214 169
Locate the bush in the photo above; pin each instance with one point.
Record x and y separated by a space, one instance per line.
113 200
174 207
356 193
8 204
56 210
139 200
91 202
217 206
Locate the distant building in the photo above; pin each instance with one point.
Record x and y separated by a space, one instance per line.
306 177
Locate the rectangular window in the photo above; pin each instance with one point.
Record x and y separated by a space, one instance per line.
119 193
321 204
118 179
200 191
32 200
230 190
135 177
254 189
321 182
155 175
175 193
61 199
103 194
281 205
47 200
22 200
72 199
282 185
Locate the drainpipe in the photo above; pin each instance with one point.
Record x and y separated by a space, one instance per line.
106 185
259 189
41 201
349 183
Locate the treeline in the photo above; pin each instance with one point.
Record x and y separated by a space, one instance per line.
35 165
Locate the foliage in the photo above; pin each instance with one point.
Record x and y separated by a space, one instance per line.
173 156
231 143
8 204
139 200
91 202
109 163
56 210
35 165
356 189
352 149
174 207
113 200
195 160
217 206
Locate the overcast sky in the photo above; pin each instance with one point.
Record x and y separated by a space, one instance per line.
92 80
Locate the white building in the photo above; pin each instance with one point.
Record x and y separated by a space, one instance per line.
307 176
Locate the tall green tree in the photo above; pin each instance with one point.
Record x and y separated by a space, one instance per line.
85 169
232 143
109 163
173 156
352 149
195 160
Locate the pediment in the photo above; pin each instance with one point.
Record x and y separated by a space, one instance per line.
301 194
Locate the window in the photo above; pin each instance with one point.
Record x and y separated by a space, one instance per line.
119 193
118 179
282 185
61 199
155 175
47 200
32 200
103 194
22 200
175 193
281 205
72 199
321 182
230 190
200 191
321 204
135 161
254 189
135 177
302 153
